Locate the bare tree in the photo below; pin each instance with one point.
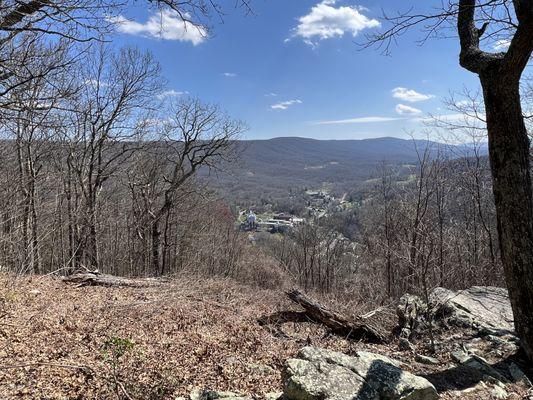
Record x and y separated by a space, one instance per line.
318 257
196 135
110 115
29 119
77 22
509 23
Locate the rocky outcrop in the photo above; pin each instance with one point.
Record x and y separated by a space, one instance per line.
412 312
503 372
484 308
481 365
319 374
412 315
480 307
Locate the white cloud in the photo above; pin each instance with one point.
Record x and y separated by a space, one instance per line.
463 103
285 104
410 95
272 94
402 109
229 74
170 93
501 45
96 83
359 120
326 21
165 25
455 119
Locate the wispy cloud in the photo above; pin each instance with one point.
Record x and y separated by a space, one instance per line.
284 105
410 95
272 94
358 120
96 83
170 93
501 45
229 74
166 25
325 21
403 109
454 119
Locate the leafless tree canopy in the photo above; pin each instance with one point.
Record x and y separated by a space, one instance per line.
496 22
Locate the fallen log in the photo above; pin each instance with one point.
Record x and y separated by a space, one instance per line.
340 324
98 279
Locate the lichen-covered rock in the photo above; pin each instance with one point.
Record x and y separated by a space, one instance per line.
480 364
319 374
411 313
422 359
215 395
274 396
481 307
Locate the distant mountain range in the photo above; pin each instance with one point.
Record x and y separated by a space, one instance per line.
284 163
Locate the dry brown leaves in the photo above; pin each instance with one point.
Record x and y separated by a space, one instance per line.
185 335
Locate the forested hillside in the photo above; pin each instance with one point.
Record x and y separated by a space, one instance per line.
271 168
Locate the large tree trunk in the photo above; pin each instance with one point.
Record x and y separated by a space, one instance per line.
509 156
500 75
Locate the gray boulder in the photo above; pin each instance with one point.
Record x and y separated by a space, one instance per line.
422 359
518 375
482 366
405 345
485 308
216 395
319 374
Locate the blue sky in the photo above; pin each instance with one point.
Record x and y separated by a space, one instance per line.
294 68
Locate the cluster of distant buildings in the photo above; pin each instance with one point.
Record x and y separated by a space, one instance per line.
318 204
279 223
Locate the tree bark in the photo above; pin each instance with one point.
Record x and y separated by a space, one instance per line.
91 247
509 156
156 246
338 323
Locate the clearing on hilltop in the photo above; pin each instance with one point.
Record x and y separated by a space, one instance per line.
243 200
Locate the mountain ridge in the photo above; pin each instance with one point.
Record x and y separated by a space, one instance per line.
281 164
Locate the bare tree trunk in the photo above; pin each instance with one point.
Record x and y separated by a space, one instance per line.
73 246
25 208
35 252
156 245
92 238
509 156
166 245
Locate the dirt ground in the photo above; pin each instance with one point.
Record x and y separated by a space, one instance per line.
59 341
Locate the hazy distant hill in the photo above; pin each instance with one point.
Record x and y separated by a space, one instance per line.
276 165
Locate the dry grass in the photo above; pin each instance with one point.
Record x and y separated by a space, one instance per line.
185 335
